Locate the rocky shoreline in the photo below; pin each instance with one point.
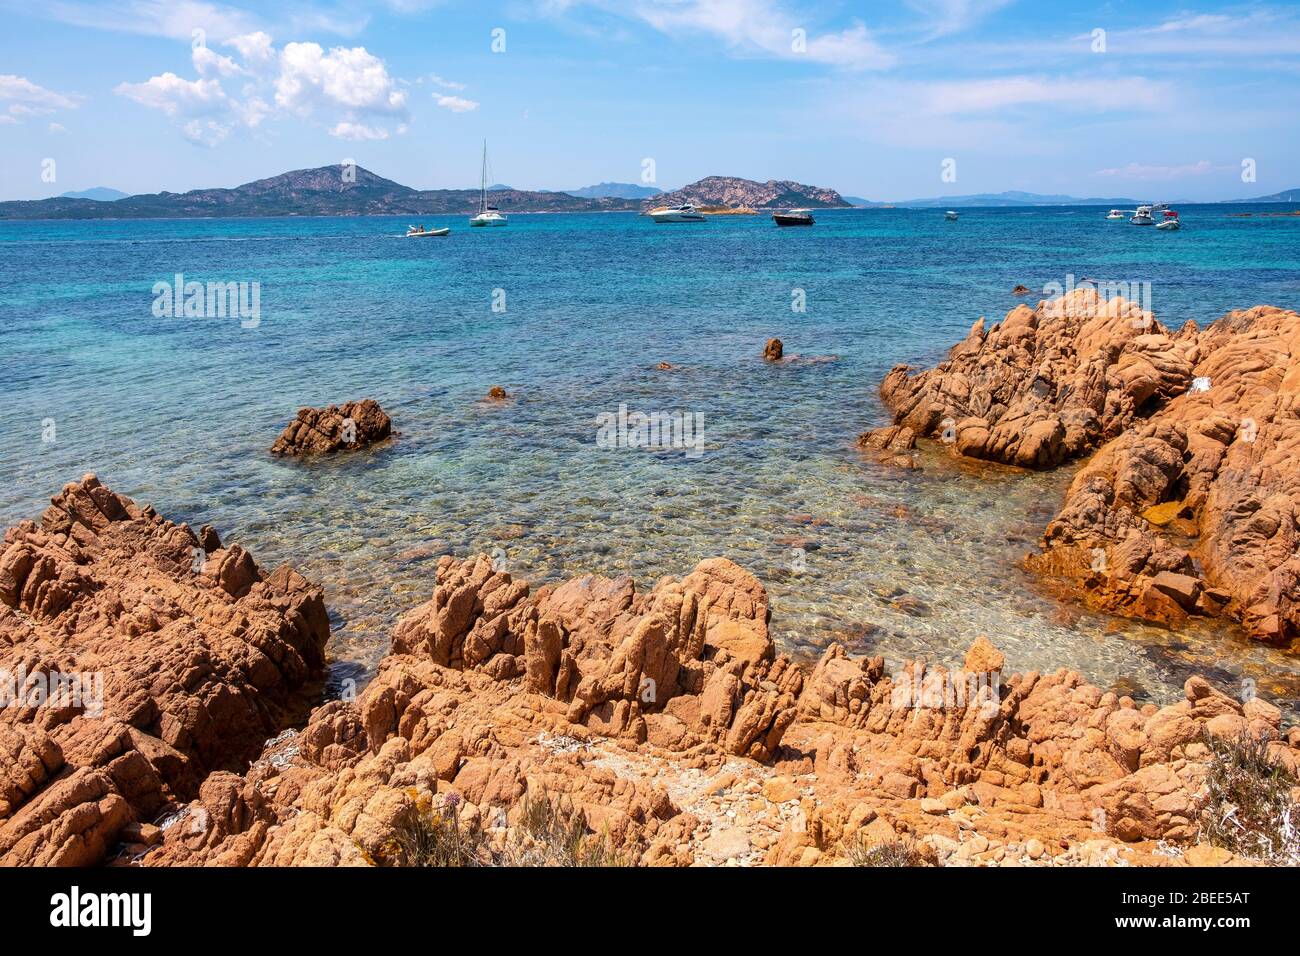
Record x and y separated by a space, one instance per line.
1190 501
164 713
656 728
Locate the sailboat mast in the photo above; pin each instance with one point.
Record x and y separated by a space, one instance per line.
482 201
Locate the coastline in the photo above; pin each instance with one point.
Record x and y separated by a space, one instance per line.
664 721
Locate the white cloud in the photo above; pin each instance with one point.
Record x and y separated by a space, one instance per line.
756 28
1000 93
351 79
177 19
348 88
58 128
206 63
456 104
1142 171
7 120
445 84
175 96
205 132
255 49
348 130
946 17
22 90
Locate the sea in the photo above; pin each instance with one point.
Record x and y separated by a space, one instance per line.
572 314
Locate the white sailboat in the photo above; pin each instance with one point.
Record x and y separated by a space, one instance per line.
487 215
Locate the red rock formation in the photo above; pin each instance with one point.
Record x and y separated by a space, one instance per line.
347 428
1191 503
181 671
495 695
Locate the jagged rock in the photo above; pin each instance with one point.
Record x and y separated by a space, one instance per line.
177 671
1190 502
336 428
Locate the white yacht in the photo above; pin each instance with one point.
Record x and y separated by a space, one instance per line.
950 215
1116 214
1142 217
686 212
487 215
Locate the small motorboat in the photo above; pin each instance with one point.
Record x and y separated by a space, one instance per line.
1170 221
1142 216
795 217
1116 214
950 215
419 232
686 212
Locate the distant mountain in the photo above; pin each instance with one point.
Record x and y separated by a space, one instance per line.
736 193
326 191
1288 195
616 191
97 193
859 201
1013 198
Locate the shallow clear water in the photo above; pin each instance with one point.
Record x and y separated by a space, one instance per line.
180 412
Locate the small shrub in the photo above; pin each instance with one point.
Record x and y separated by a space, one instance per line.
1247 806
560 837
896 852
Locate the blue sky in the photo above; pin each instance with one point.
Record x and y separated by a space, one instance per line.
1144 99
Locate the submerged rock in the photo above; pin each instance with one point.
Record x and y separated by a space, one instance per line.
336 428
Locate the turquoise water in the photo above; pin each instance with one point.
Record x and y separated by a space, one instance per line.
180 411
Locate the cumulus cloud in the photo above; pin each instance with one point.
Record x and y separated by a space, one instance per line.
255 49
351 79
457 104
208 63
176 96
349 89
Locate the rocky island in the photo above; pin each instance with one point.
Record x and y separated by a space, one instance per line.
730 192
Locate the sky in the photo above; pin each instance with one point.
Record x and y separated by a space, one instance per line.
882 100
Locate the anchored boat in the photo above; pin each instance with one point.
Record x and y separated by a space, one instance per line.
794 217
487 215
686 212
419 232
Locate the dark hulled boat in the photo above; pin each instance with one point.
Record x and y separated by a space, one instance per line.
795 217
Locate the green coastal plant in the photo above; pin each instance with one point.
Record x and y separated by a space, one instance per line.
1248 805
